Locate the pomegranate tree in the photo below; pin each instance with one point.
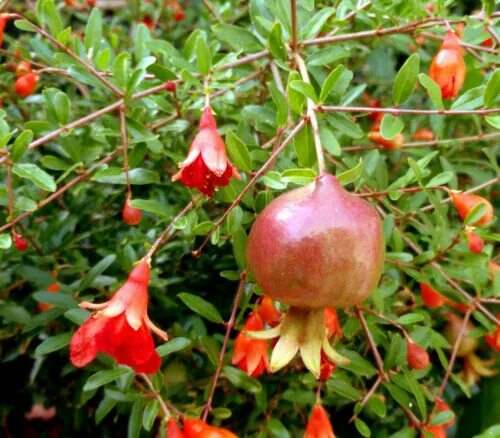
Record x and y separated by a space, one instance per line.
314 247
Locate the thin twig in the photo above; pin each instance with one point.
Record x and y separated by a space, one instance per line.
367 396
124 137
398 111
229 328
157 395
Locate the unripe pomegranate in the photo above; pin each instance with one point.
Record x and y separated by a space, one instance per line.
25 85
393 144
20 243
474 242
465 202
131 215
416 356
317 246
467 345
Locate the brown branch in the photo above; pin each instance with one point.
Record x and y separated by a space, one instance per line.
454 352
367 396
293 9
229 328
398 111
256 176
463 44
124 137
157 395
373 347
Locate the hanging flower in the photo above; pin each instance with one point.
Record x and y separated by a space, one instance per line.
474 242
431 297
319 425
332 323
131 215
199 429
416 356
121 327
465 202
269 314
206 166
448 67
250 354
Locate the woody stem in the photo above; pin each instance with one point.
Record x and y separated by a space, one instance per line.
229 328
157 395
123 133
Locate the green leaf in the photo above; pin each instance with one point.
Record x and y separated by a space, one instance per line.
242 380
391 126
238 152
62 106
475 214
116 175
298 176
276 44
237 37
52 18
470 100
21 144
54 343
492 91
351 175
441 179
150 413
329 141
93 31
416 390
105 407
201 306
281 104
327 56
358 365
239 247
441 418
305 89
36 175
406 79
56 299
97 270
151 206
121 68
134 421
142 37
203 56
173 345
410 318
362 427
336 83
101 378
24 25
295 99
316 22
5 241
433 90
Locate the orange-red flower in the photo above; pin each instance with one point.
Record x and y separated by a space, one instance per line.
269 314
249 354
436 431
121 327
332 323
493 339
4 18
423 134
327 367
431 297
416 356
199 429
393 144
206 165
448 67
319 425
53 288
465 202
474 242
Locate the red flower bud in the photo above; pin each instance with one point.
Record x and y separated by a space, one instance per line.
4 18
91 3
465 202
319 425
173 430
416 356
179 15
26 84
170 86
436 431
448 67
441 406
20 243
199 429
131 215
393 144
474 242
250 354
431 297
149 22
423 134
206 165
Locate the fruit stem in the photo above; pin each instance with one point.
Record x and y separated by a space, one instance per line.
311 115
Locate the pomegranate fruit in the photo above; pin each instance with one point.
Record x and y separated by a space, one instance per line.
314 247
317 246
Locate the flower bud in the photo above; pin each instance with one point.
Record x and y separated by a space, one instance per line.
416 356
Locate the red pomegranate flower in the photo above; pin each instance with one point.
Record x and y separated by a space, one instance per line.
269 314
250 354
173 429
416 356
131 215
465 202
319 425
206 165
332 323
121 327
448 67
431 297
199 429
493 339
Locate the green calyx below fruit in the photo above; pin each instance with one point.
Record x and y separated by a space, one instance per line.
302 331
